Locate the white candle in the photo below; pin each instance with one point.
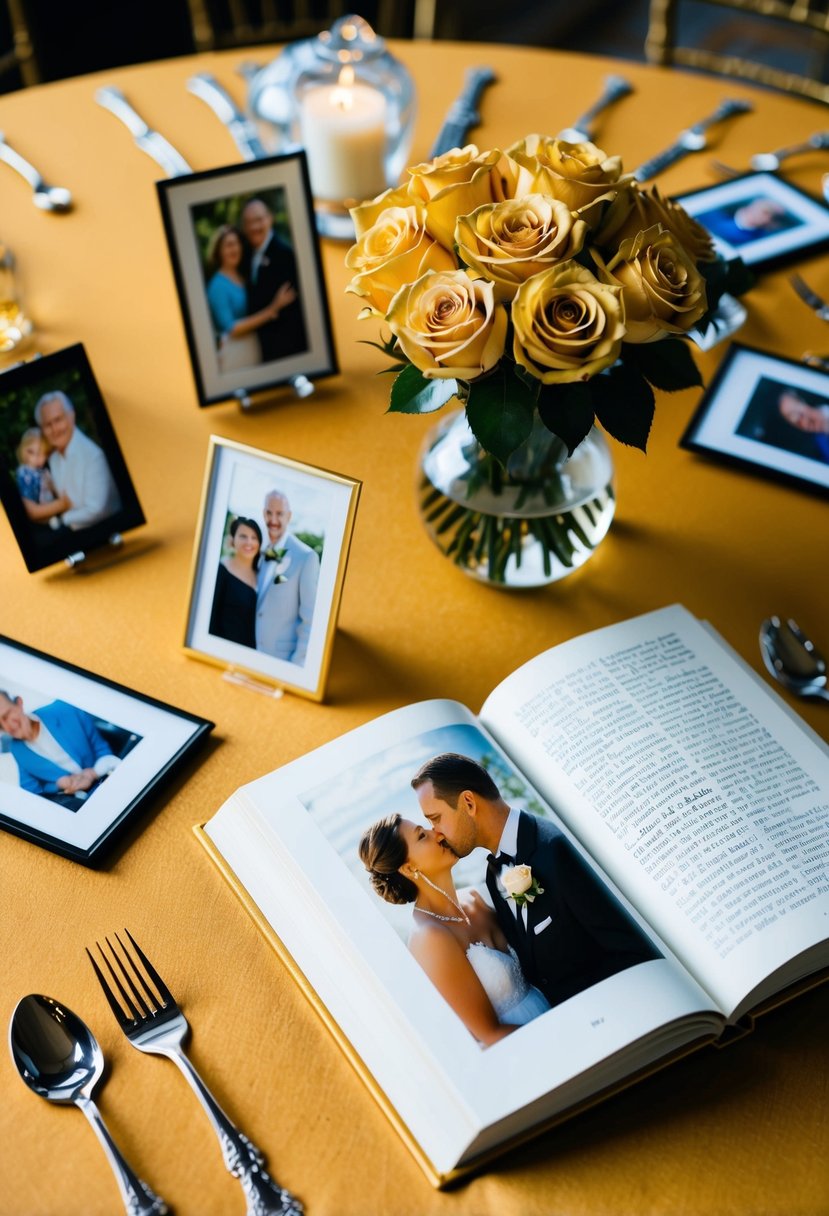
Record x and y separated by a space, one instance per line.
343 128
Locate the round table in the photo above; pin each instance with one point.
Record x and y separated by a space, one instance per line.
721 1133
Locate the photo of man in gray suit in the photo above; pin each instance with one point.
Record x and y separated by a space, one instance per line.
286 586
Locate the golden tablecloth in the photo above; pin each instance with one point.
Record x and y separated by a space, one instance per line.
737 1131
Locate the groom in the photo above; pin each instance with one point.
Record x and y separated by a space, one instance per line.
573 933
286 586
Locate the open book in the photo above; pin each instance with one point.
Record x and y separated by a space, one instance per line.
699 801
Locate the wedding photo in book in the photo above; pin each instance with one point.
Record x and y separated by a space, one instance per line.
504 916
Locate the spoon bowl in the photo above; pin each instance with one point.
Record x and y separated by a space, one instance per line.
52 198
59 1058
792 658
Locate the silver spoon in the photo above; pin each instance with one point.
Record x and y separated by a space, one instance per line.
58 1056
615 88
48 198
792 659
768 162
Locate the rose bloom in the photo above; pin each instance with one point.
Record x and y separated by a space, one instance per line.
450 169
517 879
568 325
633 210
663 291
497 178
367 214
448 325
509 242
396 250
581 175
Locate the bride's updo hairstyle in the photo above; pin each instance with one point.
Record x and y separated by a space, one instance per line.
383 851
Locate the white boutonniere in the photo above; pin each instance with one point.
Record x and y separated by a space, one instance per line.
283 560
519 884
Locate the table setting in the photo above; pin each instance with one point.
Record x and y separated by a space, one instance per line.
432 592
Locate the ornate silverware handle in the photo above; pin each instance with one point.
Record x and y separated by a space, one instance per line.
15 161
463 113
139 1199
616 87
242 1158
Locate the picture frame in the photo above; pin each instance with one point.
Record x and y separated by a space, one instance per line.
269 563
760 218
236 236
130 743
766 413
52 406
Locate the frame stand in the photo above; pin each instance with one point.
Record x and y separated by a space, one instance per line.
234 676
301 385
98 557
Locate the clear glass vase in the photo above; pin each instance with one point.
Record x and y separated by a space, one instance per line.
527 525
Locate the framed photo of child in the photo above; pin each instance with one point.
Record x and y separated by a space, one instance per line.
64 483
247 266
269 564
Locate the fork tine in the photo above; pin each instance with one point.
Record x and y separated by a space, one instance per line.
113 1003
163 991
146 1009
125 997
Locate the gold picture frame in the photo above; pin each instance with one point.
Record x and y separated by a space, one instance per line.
268 568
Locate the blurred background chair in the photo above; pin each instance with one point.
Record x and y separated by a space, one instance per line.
783 44
218 24
18 65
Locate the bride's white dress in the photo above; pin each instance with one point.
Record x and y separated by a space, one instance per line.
513 998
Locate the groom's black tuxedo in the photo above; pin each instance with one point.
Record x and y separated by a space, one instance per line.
286 335
577 933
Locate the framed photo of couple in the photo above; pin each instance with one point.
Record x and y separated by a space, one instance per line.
64 482
268 567
248 272
81 756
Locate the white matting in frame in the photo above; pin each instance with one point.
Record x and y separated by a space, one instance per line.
140 740
198 209
766 413
268 567
759 218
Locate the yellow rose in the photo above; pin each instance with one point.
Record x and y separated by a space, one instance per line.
367 214
395 251
568 325
451 169
663 291
509 242
497 179
635 209
448 325
580 175
517 880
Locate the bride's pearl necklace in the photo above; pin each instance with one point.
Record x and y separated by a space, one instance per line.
463 919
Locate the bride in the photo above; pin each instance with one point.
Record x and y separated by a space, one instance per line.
455 938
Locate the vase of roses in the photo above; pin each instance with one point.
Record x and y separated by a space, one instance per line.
547 295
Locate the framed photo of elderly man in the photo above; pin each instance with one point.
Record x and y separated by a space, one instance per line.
64 483
268 567
247 266
81 756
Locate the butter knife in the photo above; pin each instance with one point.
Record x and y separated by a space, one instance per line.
463 113
691 140
244 134
149 141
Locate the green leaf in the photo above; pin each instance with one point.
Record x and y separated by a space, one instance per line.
669 364
624 404
499 410
567 411
412 393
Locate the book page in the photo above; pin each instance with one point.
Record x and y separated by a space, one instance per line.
291 838
704 797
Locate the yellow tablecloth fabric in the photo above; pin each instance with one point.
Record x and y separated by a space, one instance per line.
742 1131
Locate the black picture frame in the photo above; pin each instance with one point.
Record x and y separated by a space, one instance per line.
789 222
746 418
22 386
197 209
149 739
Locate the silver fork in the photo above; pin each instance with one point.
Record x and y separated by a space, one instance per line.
147 1012
694 139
